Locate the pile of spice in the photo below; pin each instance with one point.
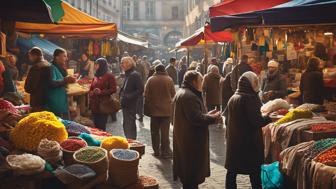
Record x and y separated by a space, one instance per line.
115 142
125 155
323 127
30 130
73 144
98 132
74 128
90 154
328 156
49 150
294 115
320 146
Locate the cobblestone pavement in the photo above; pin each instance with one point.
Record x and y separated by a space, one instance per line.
162 168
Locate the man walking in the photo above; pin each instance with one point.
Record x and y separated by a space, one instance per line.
130 92
171 70
159 94
238 71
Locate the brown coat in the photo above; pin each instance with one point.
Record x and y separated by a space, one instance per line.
211 89
37 84
159 94
191 161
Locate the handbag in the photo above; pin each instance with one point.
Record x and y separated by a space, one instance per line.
271 177
109 105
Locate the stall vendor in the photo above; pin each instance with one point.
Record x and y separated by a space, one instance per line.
57 99
273 86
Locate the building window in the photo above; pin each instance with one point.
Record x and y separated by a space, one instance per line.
136 10
174 12
150 9
127 9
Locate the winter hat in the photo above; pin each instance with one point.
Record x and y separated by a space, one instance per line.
273 64
253 79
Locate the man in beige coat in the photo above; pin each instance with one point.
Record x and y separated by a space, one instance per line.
159 94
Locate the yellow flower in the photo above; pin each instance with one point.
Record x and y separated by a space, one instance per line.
294 115
115 142
36 126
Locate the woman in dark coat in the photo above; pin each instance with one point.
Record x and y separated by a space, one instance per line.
244 122
191 161
311 84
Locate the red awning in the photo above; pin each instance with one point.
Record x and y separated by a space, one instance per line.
205 34
230 7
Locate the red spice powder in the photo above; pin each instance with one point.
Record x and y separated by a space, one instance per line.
73 144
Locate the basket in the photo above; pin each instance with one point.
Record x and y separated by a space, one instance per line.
68 155
333 164
123 172
137 146
100 167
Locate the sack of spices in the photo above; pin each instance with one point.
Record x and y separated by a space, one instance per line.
96 158
69 147
123 169
50 151
26 164
74 173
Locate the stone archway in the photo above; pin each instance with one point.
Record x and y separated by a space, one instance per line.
171 38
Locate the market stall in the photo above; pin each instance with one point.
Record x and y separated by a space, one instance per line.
41 150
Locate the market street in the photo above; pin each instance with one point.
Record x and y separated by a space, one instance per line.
162 168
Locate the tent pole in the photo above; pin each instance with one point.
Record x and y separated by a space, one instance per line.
188 56
205 57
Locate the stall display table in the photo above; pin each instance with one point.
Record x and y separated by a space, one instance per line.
80 92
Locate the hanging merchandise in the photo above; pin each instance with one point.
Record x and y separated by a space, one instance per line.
96 48
90 48
291 53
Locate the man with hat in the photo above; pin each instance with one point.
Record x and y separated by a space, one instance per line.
273 86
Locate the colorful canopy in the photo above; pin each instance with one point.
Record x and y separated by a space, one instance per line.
74 23
205 34
297 12
229 7
37 11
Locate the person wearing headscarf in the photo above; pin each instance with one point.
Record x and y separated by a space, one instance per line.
244 122
273 86
312 84
102 87
57 98
159 94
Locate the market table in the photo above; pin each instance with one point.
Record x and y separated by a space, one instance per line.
80 91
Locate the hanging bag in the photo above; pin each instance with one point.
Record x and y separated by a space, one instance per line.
109 104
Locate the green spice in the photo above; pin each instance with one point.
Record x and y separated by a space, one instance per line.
90 155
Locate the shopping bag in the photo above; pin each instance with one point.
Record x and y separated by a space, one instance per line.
271 177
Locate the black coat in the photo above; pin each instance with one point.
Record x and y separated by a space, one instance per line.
244 122
238 71
131 90
191 161
226 90
312 87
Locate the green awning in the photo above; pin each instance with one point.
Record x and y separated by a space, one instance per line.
56 9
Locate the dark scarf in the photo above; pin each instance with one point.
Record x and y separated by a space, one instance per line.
60 68
186 85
